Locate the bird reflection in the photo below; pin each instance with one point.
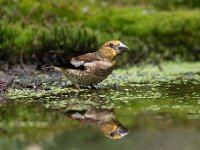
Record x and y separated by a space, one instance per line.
102 118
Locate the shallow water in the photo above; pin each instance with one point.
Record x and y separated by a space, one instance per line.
150 115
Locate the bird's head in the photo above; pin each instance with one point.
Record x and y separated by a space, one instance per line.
111 49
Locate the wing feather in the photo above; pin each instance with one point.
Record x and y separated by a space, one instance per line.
81 61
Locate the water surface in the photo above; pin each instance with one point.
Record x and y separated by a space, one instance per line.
157 114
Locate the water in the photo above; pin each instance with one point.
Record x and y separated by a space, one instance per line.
159 115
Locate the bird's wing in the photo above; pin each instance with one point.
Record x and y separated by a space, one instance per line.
81 61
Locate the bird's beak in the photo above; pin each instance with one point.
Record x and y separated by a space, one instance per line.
121 48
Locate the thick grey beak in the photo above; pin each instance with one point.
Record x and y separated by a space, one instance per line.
121 48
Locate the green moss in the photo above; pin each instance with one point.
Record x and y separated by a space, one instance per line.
73 26
120 78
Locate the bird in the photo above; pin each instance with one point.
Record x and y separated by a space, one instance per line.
93 68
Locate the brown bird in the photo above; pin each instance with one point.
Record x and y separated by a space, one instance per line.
93 68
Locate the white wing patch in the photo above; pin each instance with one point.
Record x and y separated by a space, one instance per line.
77 63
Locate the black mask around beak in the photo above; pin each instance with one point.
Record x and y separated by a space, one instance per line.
121 48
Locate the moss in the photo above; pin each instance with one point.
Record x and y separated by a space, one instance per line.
76 27
120 78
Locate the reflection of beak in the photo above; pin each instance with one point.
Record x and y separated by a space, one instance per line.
121 48
119 133
122 131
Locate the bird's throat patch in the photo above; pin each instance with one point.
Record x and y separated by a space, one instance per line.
108 53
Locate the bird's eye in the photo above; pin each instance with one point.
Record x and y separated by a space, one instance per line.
111 44
112 134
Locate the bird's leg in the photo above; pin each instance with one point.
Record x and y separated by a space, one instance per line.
77 86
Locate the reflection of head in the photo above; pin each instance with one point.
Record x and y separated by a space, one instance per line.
101 118
114 130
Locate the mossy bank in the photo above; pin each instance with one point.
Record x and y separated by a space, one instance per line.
38 30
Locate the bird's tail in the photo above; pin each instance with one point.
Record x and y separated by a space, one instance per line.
53 68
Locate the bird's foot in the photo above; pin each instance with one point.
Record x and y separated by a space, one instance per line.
93 86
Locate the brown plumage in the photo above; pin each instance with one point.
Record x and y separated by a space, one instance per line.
93 68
